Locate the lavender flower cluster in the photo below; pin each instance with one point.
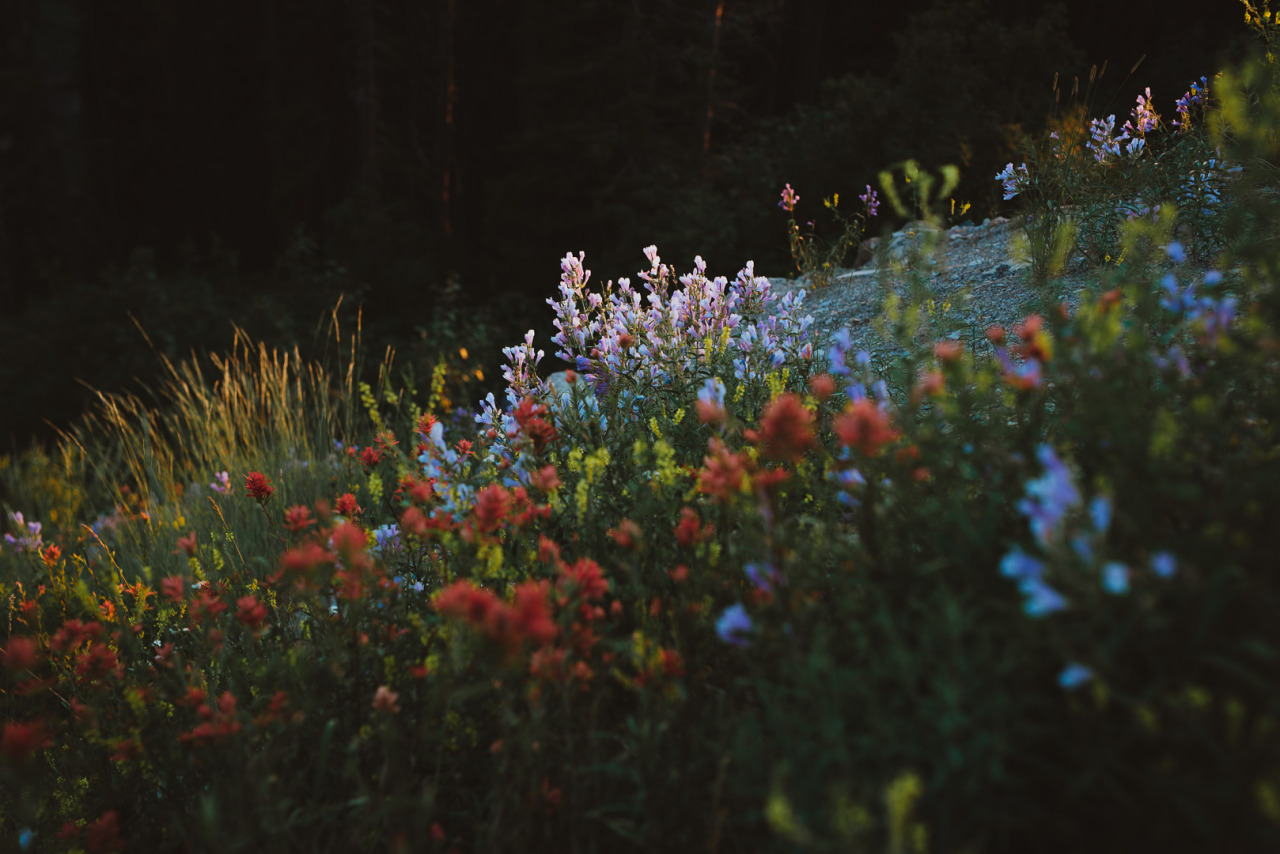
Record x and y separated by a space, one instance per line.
634 340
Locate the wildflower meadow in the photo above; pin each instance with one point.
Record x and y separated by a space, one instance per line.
736 589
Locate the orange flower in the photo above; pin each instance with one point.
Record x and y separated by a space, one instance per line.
864 426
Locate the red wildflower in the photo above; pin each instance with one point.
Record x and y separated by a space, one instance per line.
786 430
346 506
258 487
864 426
672 663
723 472
164 656
298 518
412 522
194 697
104 834
710 412
303 559
930 384
22 740
680 574
1109 300
548 664
425 422
531 613
250 612
349 539
386 439
530 418
492 505
690 531
464 447
996 335
550 796
548 549
72 634
584 578
20 654
124 749
822 386
1036 343
546 478
50 554
948 352
206 604
386 700
98 662
627 534
463 600
370 457
187 545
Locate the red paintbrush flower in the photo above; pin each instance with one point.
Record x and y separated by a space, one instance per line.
258 487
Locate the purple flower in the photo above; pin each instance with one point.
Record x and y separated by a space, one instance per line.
221 483
734 625
28 539
1014 181
1102 144
764 576
1163 564
870 200
1074 675
789 199
1144 114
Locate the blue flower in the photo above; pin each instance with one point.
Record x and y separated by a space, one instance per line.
1163 564
1074 675
1041 599
1083 549
1049 496
713 392
1100 512
1175 252
1020 565
734 625
1115 577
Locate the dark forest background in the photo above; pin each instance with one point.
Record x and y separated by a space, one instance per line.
248 161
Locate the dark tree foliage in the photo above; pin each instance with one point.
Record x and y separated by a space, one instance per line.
249 160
